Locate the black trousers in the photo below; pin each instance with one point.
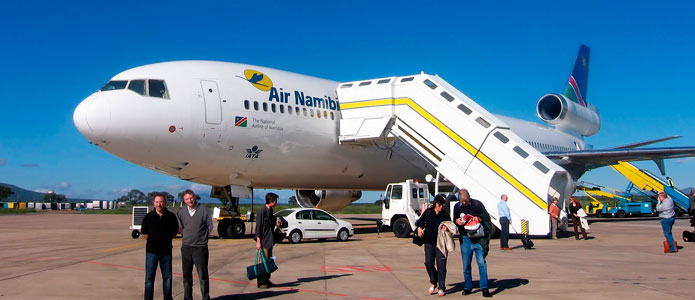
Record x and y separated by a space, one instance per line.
197 256
577 223
438 274
265 278
504 236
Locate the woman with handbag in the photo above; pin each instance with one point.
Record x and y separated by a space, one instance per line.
428 227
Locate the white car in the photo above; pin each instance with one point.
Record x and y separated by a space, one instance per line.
310 223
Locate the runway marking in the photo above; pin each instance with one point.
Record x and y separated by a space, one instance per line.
230 281
355 268
138 244
417 268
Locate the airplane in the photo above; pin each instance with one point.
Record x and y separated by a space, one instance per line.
239 127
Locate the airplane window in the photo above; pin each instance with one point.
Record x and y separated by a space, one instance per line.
465 109
430 84
365 83
318 114
289 109
541 167
421 193
304 111
282 109
325 114
265 106
346 85
255 105
311 111
383 81
272 107
407 79
447 96
157 88
482 122
246 104
414 193
114 85
332 117
137 86
501 137
296 110
520 151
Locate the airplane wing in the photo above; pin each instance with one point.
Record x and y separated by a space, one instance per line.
604 157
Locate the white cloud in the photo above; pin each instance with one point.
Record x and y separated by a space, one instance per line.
684 160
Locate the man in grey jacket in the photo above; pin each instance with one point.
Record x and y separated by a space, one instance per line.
667 215
195 223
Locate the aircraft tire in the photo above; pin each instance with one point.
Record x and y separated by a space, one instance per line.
222 229
135 234
236 229
401 228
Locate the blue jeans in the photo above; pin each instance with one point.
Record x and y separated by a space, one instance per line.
467 249
666 225
151 261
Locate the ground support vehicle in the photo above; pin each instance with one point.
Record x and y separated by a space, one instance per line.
139 213
402 205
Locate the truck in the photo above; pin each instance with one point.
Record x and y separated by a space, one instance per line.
623 207
403 204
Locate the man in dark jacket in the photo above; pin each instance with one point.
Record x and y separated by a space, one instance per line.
265 225
195 221
158 227
478 245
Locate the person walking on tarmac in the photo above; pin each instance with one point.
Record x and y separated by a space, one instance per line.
464 211
265 224
576 222
428 226
554 212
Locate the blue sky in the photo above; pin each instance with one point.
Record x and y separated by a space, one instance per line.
503 54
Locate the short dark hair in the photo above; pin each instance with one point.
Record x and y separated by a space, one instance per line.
188 192
159 195
439 199
271 197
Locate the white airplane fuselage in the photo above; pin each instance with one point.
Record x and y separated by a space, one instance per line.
196 131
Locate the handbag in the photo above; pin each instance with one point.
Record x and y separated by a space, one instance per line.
477 230
421 240
266 267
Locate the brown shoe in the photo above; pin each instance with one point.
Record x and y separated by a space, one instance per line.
506 248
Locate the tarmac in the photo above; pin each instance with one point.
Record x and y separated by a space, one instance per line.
57 255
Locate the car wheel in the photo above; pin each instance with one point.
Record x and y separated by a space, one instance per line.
222 229
401 228
135 234
236 229
343 235
620 214
295 237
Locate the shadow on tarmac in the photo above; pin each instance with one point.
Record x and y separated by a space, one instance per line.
258 295
496 285
310 279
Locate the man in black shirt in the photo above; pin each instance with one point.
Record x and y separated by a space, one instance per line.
265 225
471 245
159 227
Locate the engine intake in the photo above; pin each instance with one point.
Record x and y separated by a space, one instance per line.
327 200
566 115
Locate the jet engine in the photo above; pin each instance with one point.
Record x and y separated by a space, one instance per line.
327 200
566 115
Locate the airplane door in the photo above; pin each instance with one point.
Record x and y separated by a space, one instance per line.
213 104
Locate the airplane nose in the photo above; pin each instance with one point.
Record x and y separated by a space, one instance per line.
91 117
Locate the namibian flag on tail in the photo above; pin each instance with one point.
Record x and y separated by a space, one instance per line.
240 121
576 86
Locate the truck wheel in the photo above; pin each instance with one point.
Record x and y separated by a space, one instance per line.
620 214
135 234
295 237
237 229
687 236
401 228
343 235
222 229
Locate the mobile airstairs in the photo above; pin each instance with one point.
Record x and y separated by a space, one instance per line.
645 180
468 145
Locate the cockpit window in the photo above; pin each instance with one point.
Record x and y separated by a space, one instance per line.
157 89
137 86
114 85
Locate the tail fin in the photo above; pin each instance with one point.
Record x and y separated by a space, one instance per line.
576 85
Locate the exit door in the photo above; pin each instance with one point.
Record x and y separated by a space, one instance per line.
213 105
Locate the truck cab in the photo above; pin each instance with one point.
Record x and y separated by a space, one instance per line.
403 204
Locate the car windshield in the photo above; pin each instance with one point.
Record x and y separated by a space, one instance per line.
284 213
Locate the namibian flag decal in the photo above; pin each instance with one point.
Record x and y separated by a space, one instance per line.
240 121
